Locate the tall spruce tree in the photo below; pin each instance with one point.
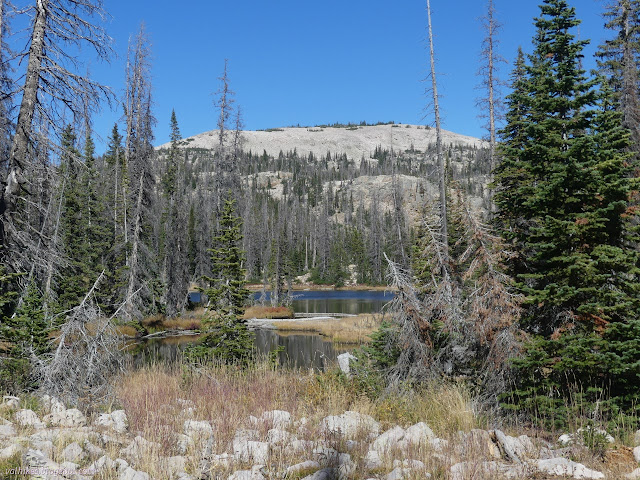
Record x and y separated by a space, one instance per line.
227 337
562 196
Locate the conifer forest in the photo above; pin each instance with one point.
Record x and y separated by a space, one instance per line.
515 260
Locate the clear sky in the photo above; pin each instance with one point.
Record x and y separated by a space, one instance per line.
299 62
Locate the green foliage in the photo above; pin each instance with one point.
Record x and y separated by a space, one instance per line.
227 339
562 194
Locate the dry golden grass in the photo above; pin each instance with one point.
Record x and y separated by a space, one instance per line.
258 311
160 322
351 330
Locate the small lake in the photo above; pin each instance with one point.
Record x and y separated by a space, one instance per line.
300 350
353 302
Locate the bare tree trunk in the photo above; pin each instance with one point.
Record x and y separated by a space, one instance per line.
135 245
441 170
16 180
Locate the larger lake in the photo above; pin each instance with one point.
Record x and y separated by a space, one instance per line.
351 302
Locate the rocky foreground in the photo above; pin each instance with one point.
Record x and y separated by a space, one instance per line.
64 443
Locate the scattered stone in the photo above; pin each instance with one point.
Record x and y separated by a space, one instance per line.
439 444
115 421
349 425
28 418
103 463
302 467
465 470
299 446
198 430
131 474
388 439
279 419
93 450
411 464
636 438
45 446
590 431
416 435
8 430
139 448
636 454
248 450
36 459
65 418
506 445
565 439
372 460
184 443
326 456
10 401
344 359
10 451
73 453
52 404
69 466
399 473
252 474
279 437
478 443
174 466
565 467
221 461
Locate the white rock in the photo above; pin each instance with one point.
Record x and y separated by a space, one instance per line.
398 474
409 463
131 474
276 436
302 467
184 443
388 439
372 460
52 404
279 418
418 434
246 475
66 418
103 463
343 362
297 446
45 446
174 466
73 453
93 450
593 431
69 466
439 444
121 465
36 459
636 454
7 430
198 429
636 438
326 455
10 401
139 448
465 470
635 475
10 451
565 467
222 461
565 439
349 425
116 421
248 450
28 418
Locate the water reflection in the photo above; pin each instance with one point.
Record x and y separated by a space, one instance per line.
352 302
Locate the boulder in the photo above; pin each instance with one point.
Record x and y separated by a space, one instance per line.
73 453
115 421
45 446
276 436
344 359
10 451
295 470
324 474
478 444
636 454
102 463
138 449
349 425
636 438
635 475
93 450
28 418
8 430
567 468
66 418
492 469
279 419
131 474
10 401
253 474
184 443
249 450
409 463
38 460
388 439
417 435
372 460
198 430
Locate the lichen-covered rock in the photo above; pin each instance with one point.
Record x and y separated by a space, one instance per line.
115 421
279 419
567 468
636 454
308 466
349 425
66 418
198 430
73 453
28 418
390 438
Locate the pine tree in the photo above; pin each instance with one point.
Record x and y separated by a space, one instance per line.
562 194
227 337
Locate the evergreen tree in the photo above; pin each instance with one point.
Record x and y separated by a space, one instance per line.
562 193
227 336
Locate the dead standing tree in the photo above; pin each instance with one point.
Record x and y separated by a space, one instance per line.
52 90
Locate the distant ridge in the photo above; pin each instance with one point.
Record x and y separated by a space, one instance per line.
355 141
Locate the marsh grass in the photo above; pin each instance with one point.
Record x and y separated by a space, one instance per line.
348 330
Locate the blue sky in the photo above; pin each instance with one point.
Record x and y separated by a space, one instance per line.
298 62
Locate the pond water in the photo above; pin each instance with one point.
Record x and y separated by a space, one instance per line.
352 302
299 350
